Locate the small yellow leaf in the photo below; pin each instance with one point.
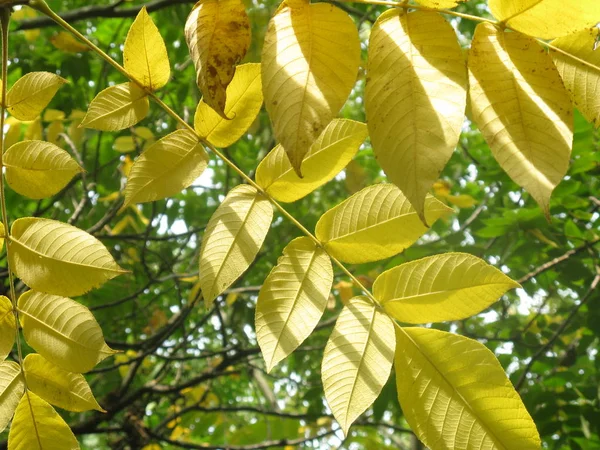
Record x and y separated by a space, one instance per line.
39 169
329 154
121 225
451 286
244 100
440 4
37 426
124 144
375 223
441 189
218 36
8 327
117 107
13 134
165 168
234 235
68 43
357 360
75 132
53 257
292 299
145 55
310 62
356 177
34 130
32 93
462 201
346 291
62 331
58 387
53 132
12 386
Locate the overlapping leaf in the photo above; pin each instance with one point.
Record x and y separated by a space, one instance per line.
32 93
455 394
522 109
357 360
292 299
8 327
51 256
415 98
330 153
375 223
439 288
310 62
12 386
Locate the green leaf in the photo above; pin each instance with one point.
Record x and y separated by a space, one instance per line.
32 93
12 386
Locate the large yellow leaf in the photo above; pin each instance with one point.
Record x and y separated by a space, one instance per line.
330 153
455 394
12 386
438 288
64 389
218 36
39 169
232 239
117 107
165 168
375 223
145 56
522 109
310 61
8 327
547 18
292 299
440 4
415 98
62 331
32 93
357 360
37 426
51 256
244 100
582 81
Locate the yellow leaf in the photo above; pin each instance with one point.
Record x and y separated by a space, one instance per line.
124 144
357 360
75 132
121 225
116 108
231 298
582 82
126 166
53 257
62 331
165 168
441 189
439 288
356 177
546 19
39 169
145 55
64 389
218 36
34 130
244 100
522 109
66 42
51 115
37 426
232 239
32 93
12 386
13 134
310 62
415 98
8 327
440 4
454 393
53 132
462 201
375 223
329 154
346 291
292 299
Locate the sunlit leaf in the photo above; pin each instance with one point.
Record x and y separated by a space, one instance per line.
8 327
32 93
12 386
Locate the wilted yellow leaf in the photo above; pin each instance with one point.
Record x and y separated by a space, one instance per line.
32 93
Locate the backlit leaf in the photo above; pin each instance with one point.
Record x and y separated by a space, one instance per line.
165 168
37 426
12 386
439 288
330 153
53 257
32 93
145 55
292 299
357 360
117 107
522 109
58 387
375 223
310 62
62 331
455 394
415 98
232 239
8 327
244 100
39 169
218 36
68 43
